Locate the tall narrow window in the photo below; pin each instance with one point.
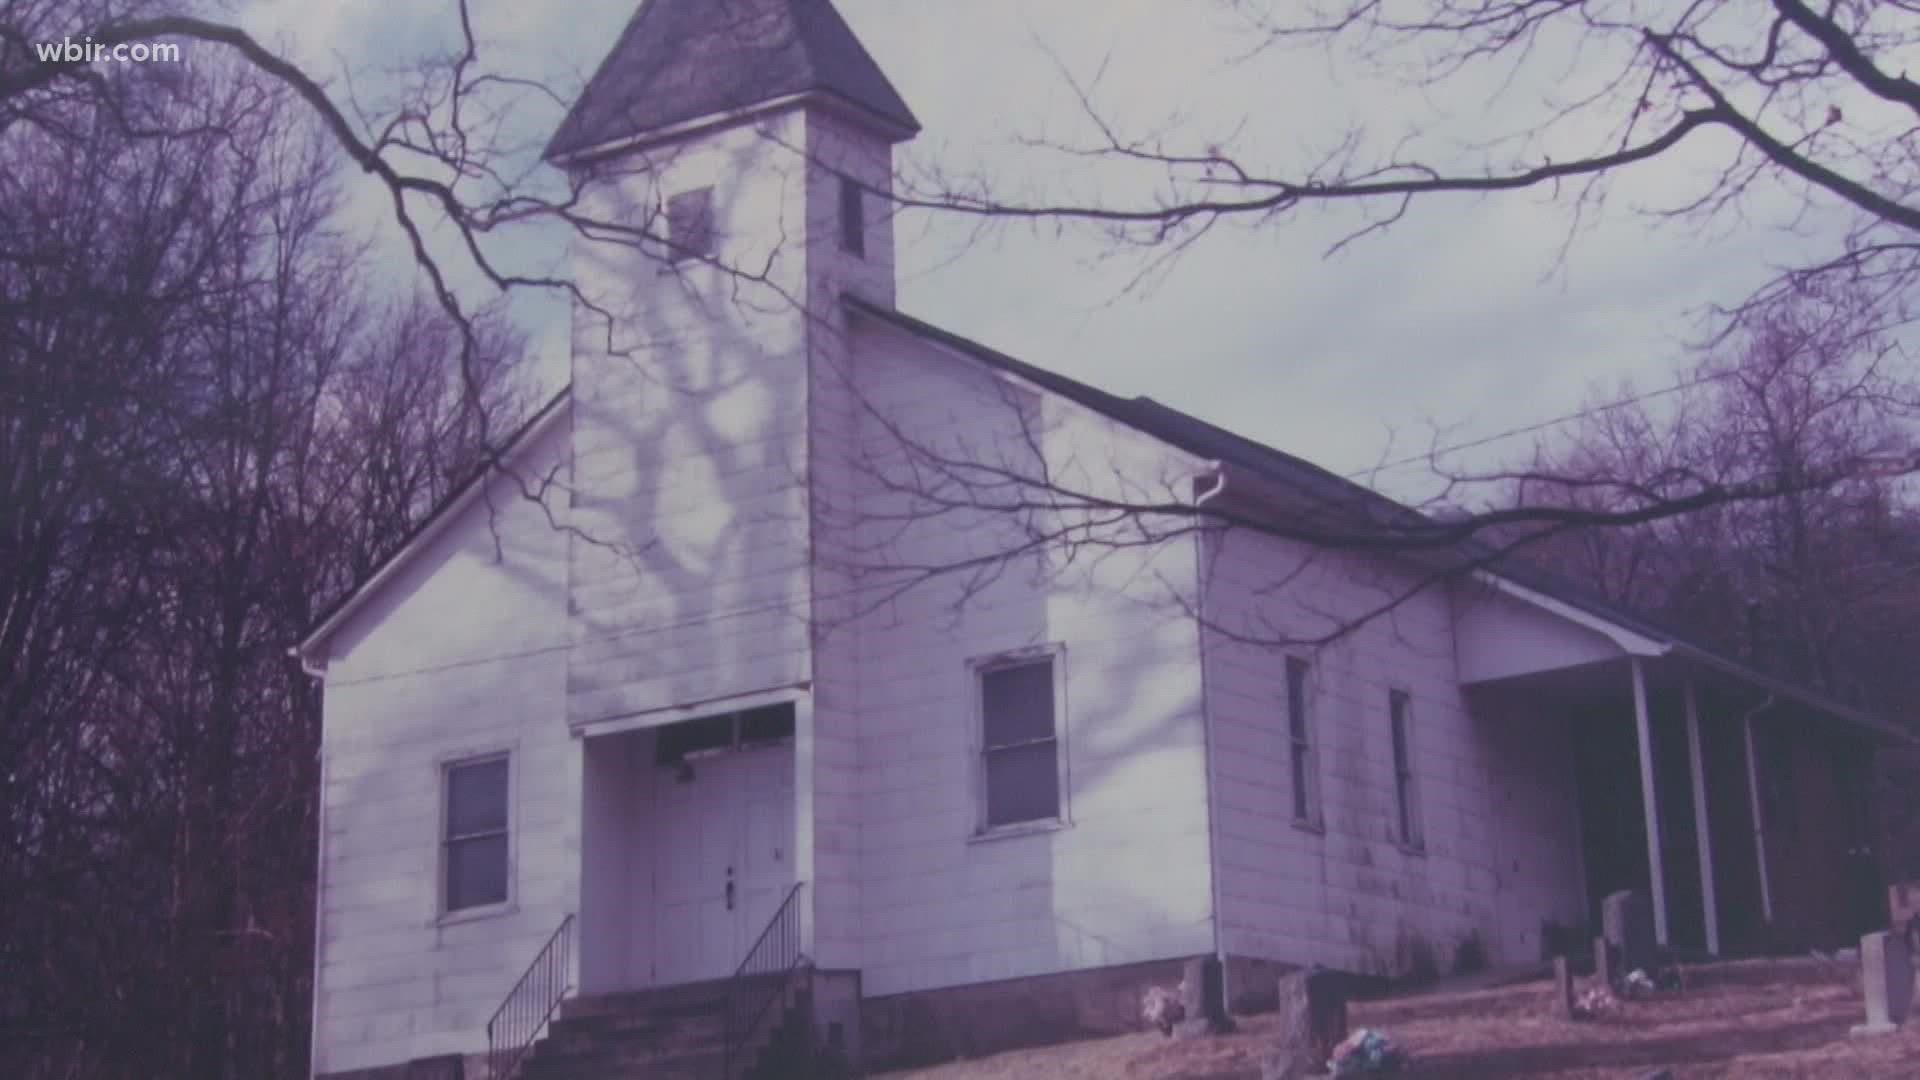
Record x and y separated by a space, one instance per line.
1406 796
475 854
853 217
690 224
1306 793
1020 743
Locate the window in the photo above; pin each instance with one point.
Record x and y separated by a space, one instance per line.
1406 796
1306 793
853 218
476 834
1020 747
690 224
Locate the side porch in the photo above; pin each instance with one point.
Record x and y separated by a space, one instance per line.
1741 807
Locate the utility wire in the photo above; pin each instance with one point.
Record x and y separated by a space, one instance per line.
1582 414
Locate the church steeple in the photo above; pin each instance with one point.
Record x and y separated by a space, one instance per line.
681 63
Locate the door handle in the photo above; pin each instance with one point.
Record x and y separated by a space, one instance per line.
729 888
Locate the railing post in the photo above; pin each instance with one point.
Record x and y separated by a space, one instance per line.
530 1004
777 953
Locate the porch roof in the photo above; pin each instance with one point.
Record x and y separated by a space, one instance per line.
1509 633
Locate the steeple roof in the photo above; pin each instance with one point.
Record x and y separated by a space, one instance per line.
680 60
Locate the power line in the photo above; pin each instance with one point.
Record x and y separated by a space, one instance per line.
1582 414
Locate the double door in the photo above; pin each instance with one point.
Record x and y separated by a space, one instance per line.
723 830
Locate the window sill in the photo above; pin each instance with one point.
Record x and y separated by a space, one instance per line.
476 914
1418 851
1024 828
1307 825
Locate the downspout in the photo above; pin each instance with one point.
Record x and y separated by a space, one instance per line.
1753 802
1201 573
319 880
319 915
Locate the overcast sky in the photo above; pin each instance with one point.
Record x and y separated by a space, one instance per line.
1456 319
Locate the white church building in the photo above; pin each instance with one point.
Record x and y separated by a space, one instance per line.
760 695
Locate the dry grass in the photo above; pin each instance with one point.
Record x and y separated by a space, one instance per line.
1768 1019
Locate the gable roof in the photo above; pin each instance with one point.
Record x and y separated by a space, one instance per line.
683 60
1327 493
431 525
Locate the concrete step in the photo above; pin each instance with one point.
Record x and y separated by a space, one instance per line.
641 1026
626 1052
670 1033
686 997
705 1066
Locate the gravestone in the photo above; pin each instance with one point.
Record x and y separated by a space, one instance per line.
1603 964
1886 970
1627 924
1562 988
1203 996
1313 1020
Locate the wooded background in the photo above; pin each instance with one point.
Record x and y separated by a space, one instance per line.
217 412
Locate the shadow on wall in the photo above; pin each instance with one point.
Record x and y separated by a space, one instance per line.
970 929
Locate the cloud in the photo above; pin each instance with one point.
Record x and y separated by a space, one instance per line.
1455 317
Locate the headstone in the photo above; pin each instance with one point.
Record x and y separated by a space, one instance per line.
1627 924
1886 970
1313 1020
1603 965
1562 988
1203 997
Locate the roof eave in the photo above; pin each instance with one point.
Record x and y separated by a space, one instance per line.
1628 640
436 523
1781 688
891 128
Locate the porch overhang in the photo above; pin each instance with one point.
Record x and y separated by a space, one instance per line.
673 714
1508 633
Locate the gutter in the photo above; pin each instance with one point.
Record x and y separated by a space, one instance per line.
1200 576
1778 688
312 669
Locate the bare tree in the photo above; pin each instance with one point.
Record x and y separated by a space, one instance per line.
1818 583
166 553
1794 108
201 437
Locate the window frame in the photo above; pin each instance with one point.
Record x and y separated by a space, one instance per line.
443 841
1054 654
853 217
679 253
1302 745
1409 825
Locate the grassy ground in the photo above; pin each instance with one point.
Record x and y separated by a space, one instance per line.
1760 1019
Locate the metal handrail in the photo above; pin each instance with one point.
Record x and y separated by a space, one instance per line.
530 1004
777 952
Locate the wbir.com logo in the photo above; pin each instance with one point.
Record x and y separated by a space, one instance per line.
88 51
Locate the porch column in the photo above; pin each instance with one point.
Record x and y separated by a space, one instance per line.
1702 825
1759 826
1650 802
